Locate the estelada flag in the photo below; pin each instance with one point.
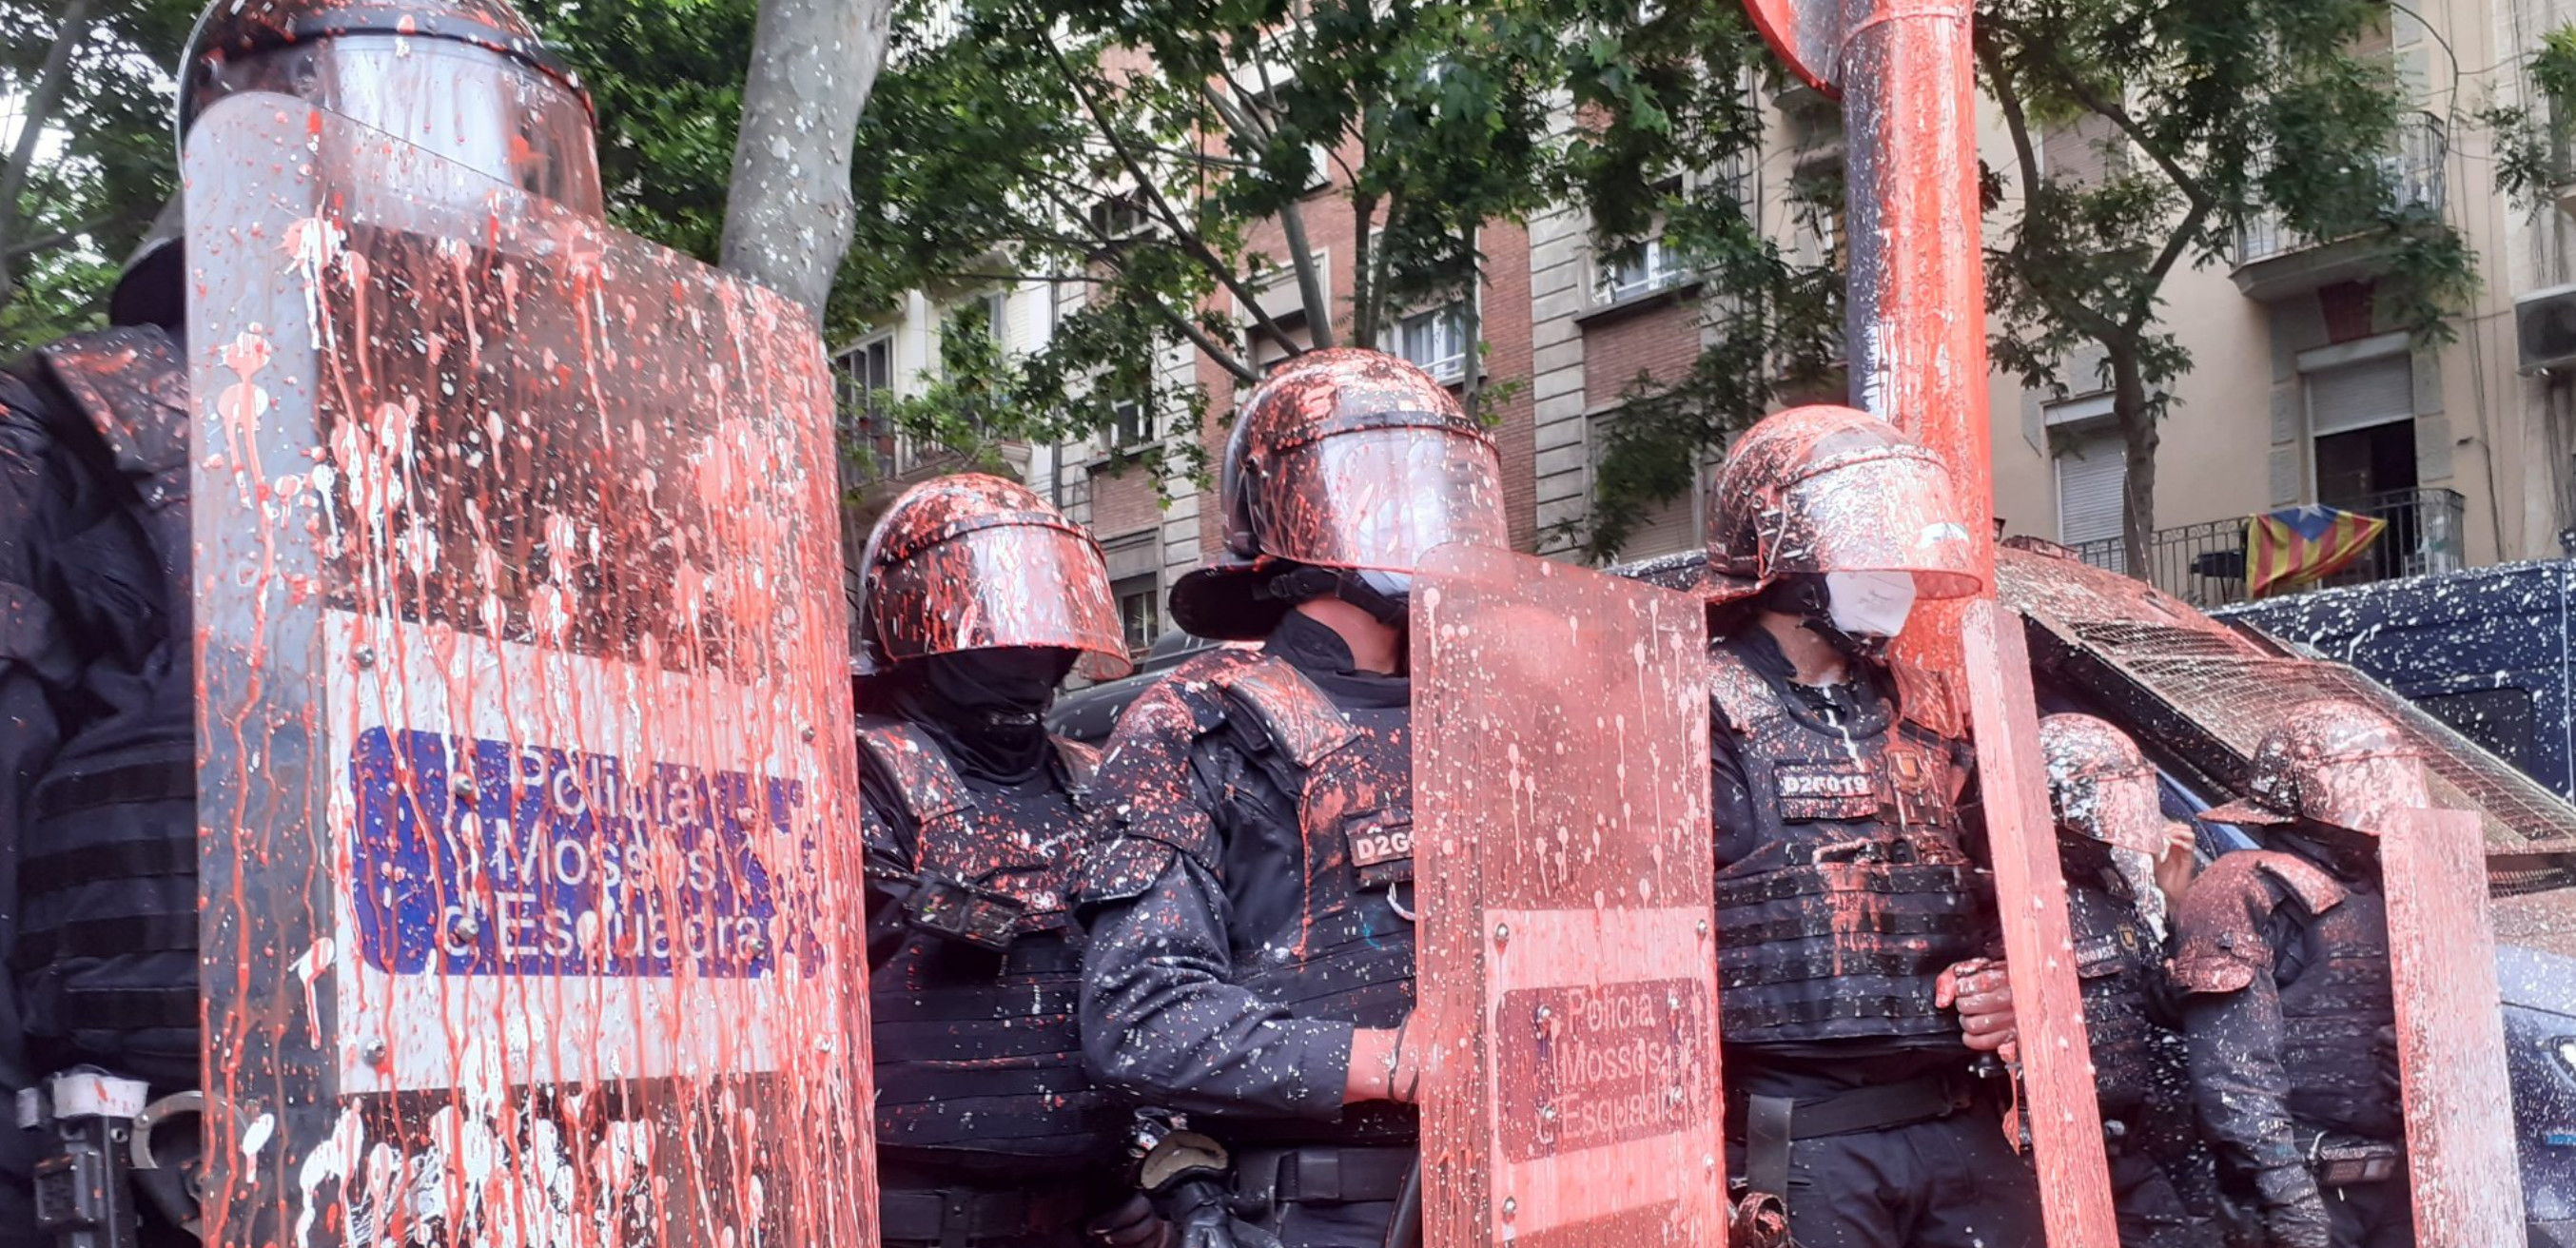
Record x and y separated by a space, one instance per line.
2307 543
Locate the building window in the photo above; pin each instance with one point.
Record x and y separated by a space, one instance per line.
1128 426
975 324
863 377
1436 340
2092 481
1116 217
1140 610
2361 428
1639 268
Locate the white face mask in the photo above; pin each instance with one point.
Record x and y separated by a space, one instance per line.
1869 604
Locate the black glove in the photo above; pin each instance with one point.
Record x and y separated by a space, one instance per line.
1130 1225
2294 1215
1201 1218
2392 1068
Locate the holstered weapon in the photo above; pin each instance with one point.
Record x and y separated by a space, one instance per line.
98 1155
2351 1160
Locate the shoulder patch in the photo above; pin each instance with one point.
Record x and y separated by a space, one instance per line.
2317 891
132 384
1738 692
919 774
1300 718
2219 925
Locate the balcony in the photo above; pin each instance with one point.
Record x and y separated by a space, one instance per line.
2274 261
2204 564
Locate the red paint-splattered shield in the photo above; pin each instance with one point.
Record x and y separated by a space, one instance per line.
531 905
1568 971
2461 1166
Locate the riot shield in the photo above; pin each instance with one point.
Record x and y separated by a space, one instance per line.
530 902
1567 970
2465 1179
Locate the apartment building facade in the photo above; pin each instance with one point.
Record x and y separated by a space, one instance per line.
2299 391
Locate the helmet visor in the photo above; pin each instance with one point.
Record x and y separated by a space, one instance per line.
1380 497
1884 514
1009 581
474 106
2359 792
2120 809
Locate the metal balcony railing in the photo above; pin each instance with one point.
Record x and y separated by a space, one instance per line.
2413 173
2205 564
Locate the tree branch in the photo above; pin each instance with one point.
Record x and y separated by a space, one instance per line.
53 81
1183 236
2111 110
1292 217
2026 157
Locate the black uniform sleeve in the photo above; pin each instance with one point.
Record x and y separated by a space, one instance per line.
2231 937
1730 799
1161 1020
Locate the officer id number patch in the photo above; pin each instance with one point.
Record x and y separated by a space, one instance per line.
1809 794
1381 849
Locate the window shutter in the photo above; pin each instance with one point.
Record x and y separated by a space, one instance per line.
2362 394
2090 478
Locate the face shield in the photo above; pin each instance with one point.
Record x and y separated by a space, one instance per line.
472 105
996 581
2359 792
1881 512
1376 495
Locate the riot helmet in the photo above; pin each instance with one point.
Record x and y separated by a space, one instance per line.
1834 516
974 562
466 79
2331 761
2100 787
1344 469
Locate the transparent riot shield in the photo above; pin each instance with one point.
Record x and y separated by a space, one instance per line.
530 893
1567 969
2462 1171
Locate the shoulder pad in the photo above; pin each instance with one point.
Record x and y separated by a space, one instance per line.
132 384
914 767
1080 761
1299 717
2316 891
1738 692
2219 925
1928 698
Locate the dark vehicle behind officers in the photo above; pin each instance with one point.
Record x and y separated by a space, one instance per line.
978 600
1249 883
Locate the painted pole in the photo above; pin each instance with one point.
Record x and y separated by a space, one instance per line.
1915 336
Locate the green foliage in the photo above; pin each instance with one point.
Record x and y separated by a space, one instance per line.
2532 138
107 164
2218 115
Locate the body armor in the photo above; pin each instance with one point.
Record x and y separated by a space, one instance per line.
1860 895
2116 963
976 1044
107 873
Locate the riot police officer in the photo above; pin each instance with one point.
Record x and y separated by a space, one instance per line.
1852 917
2104 794
978 599
1250 869
97 715
2283 961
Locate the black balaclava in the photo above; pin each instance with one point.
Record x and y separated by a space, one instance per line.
2350 856
987 708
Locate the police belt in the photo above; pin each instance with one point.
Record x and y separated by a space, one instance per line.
1874 1108
964 1215
1266 1178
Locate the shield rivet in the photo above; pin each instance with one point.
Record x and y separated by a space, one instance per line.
1502 932
366 656
1510 1206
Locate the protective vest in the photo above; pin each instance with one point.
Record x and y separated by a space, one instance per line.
107 875
1860 896
2335 996
2116 961
977 1042
1350 773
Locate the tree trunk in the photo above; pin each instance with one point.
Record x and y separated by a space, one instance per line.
788 214
1472 313
2138 436
53 79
